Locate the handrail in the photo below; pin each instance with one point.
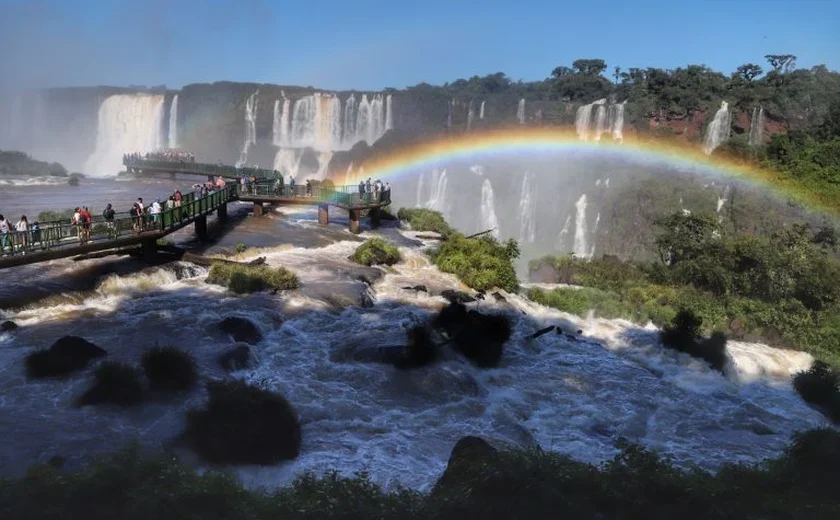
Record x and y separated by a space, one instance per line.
201 168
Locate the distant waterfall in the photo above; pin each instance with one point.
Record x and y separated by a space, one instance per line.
437 191
756 126
389 115
349 120
617 117
127 123
527 209
316 122
449 113
287 161
722 199
324 159
594 234
250 129
280 127
470 116
420 186
370 120
579 248
564 232
600 120
520 111
583 116
718 130
488 209
481 111
173 123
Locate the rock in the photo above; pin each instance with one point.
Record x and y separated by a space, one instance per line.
169 369
498 297
421 351
417 288
365 280
240 329
468 452
8 326
457 296
479 337
366 299
237 357
115 383
67 355
56 461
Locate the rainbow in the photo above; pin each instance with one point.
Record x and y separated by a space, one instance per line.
419 157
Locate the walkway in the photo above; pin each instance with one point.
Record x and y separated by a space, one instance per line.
194 168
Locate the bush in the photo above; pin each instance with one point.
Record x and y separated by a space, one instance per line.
819 386
241 248
479 337
169 369
242 424
67 355
114 383
684 335
481 263
376 251
241 278
421 219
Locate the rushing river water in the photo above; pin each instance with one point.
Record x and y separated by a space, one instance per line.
576 396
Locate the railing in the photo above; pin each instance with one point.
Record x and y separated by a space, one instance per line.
326 193
200 168
65 234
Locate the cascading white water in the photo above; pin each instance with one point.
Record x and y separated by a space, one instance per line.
527 209
316 122
600 120
723 198
449 113
618 121
564 232
594 234
127 123
370 120
718 130
350 113
287 161
437 192
481 111
389 115
324 159
470 116
756 126
604 120
420 192
520 111
579 248
488 209
173 123
583 116
250 129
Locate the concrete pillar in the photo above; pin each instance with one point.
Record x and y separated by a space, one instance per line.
375 216
201 227
323 214
355 221
149 249
258 209
221 213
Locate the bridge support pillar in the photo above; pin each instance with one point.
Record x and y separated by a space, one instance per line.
201 227
258 209
355 221
149 249
375 217
323 214
221 213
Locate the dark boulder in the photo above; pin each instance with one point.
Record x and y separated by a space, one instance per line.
243 424
468 452
8 326
240 329
366 299
498 297
169 369
479 337
417 288
114 383
237 357
457 296
420 351
67 355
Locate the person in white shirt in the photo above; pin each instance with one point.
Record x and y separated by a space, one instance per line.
22 227
155 211
4 234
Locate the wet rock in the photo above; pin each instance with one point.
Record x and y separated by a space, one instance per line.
56 462
417 288
366 299
468 452
457 296
115 383
479 337
8 326
498 297
420 351
67 355
240 329
169 369
238 357
365 280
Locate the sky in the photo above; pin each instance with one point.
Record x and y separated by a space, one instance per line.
370 45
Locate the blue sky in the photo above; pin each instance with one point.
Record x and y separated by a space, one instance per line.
368 44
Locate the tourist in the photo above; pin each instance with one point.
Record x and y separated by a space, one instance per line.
22 228
387 193
4 234
35 231
291 186
155 212
139 212
86 219
108 215
308 188
76 220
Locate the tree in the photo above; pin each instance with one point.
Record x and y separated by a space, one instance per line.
589 67
562 71
617 74
783 63
749 71
684 236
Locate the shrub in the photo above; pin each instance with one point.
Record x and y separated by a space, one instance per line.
479 337
169 369
242 424
241 278
421 219
684 335
241 248
67 355
114 383
481 263
819 386
376 251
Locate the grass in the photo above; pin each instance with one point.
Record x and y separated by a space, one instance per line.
114 383
637 483
421 219
169 369
241 278
376 252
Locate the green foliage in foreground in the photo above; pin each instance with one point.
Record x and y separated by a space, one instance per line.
376 251
637 483
54 216
242 278
482 263
421 219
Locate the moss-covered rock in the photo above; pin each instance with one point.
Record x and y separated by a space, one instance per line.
114 383
241 330
242 278
169 369
67 355
684 335
376 252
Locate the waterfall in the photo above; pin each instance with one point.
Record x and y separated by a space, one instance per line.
350 112
470 116
609 119
324 159
437 196
527 209
594 235
250 128
316 122
756 126
420 186
564 232
127 123
389 116
449 114
718 130
481 111
173 123
287 161
722 199
370 120
600 120
579 247
488 209
520 111
618 121
582 118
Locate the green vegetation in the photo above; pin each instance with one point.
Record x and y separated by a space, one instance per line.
376 251
165 242
241 248
536 484
243 278
820 386
169 369
55 216
783 289
482 263
18 163
114 383
421 219
684 335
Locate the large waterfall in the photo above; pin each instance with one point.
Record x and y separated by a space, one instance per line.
488 209
470 116
608 119
432 194
173 123
288 160
528 209
756 126
718 130
250 129
481 111
579 248
127 123
520 111
316 122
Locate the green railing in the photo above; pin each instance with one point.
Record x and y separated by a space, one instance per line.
65 234
324 193
200 168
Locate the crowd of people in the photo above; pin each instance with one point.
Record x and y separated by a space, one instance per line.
161 155
20 236
375 191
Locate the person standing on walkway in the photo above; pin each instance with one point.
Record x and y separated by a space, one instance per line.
4 234
86 222
108 215
22 228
